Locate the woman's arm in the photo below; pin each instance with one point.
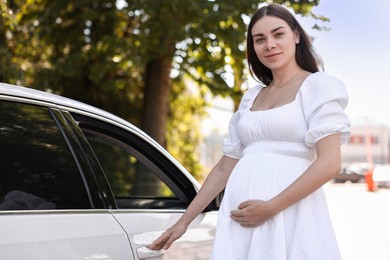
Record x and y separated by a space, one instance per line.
213 185
255 212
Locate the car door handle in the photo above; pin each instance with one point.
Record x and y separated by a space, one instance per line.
146 253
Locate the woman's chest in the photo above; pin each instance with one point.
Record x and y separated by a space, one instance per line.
284 123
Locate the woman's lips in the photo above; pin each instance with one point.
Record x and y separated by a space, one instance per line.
272 55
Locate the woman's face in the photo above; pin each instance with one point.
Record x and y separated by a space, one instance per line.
274 42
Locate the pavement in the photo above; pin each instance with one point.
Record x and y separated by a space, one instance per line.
361 220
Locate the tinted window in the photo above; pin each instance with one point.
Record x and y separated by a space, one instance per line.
133 178
37 169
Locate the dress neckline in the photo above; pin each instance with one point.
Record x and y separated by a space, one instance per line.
274 108
283 105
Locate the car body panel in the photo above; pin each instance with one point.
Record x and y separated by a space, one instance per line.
195 244
62 235
381 176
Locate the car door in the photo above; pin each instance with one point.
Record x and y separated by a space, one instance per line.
150 190
49 207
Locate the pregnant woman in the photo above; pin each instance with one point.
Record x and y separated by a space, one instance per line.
284 145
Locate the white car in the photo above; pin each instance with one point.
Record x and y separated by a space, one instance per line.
77 182
381 176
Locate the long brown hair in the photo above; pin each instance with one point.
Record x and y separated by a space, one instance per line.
305 54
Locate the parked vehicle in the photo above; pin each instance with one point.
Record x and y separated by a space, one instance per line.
77 182
381 176
346 175
354 173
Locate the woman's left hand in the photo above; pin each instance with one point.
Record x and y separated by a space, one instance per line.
252 213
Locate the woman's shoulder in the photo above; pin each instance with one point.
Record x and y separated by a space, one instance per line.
249 96
323 78
321 87
253 91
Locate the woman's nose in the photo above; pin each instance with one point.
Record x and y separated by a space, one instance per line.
270 45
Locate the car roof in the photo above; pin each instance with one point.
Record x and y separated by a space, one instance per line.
8 90
38 95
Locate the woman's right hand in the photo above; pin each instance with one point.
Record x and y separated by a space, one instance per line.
168 237
214 184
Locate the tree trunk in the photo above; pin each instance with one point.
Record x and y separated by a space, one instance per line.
156 99
155 116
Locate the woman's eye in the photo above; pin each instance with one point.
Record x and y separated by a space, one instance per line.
259 40
278 35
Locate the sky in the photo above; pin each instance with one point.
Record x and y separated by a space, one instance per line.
357 51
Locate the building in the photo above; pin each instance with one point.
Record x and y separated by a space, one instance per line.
369 142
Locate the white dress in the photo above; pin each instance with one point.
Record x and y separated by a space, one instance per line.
274 148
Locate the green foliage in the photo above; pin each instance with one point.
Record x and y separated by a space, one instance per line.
8 68
187 109
79 49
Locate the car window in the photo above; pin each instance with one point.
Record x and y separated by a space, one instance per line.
133 178
37 169
139 173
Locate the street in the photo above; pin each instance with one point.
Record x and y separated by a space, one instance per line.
361 220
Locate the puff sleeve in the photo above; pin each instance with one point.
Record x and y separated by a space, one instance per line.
324 99
232 146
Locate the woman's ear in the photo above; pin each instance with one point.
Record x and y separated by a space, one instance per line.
297 36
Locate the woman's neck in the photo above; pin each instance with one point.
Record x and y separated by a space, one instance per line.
283 76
